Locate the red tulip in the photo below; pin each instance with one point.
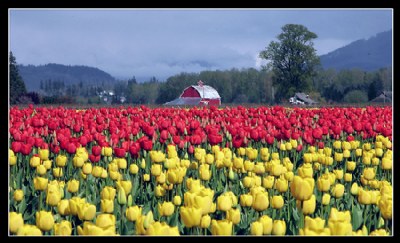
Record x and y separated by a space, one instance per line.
94 159
299 147
147 145
16 147
96 150
191 149
164 134
26 149
71 148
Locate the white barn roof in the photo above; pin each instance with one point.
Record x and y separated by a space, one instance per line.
207 92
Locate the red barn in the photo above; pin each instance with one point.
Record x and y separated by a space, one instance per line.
197 95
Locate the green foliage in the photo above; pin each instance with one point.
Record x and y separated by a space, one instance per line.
355 96
293 60
17 85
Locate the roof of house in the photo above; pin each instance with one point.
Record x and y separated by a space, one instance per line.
305 98
184 101
387 94
383 98
207 92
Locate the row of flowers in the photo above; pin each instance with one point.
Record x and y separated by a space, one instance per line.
336 186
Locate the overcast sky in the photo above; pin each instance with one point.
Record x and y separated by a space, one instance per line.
162 43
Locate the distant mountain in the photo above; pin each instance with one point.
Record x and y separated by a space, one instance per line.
32 75
368 55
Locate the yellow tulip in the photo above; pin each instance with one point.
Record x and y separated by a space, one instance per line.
224 203
73 186
63 207
87 168
126 185
97 171
323 183
279 227
15 222
156 169
133 169
159 191
308 206
41 169
307 158
337 190
133 213
350 166
121 196
44 220
261 201
108 192
205 172
248 182
387 163
107 206
53 194
276 169
302 189
277 202
162 229
190 216
246 200
366 159
348 177
91 229
326 198
73 204
29 230
354 189
61 160
12 159
379 232
316 224
259 169
221 227
105 220
18 195
289 176
205 221
63 228
34 161
267 224
248 165
385 206
78 161
40 183
281 184
166 209
177 200
256 228
305 171
86 211
369 173
47 164
233 215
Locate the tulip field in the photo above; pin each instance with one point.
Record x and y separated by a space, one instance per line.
200 171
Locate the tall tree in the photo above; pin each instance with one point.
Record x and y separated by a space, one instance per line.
293 60
17 85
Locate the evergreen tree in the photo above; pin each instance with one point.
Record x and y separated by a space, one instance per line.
17 85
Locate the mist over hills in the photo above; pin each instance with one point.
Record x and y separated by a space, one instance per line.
365 54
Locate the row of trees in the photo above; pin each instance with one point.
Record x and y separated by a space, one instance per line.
293 67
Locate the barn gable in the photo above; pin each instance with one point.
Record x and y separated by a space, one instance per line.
197 95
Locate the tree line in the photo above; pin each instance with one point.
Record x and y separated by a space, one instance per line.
293 67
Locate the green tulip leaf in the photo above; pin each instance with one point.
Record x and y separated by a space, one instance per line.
356 218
